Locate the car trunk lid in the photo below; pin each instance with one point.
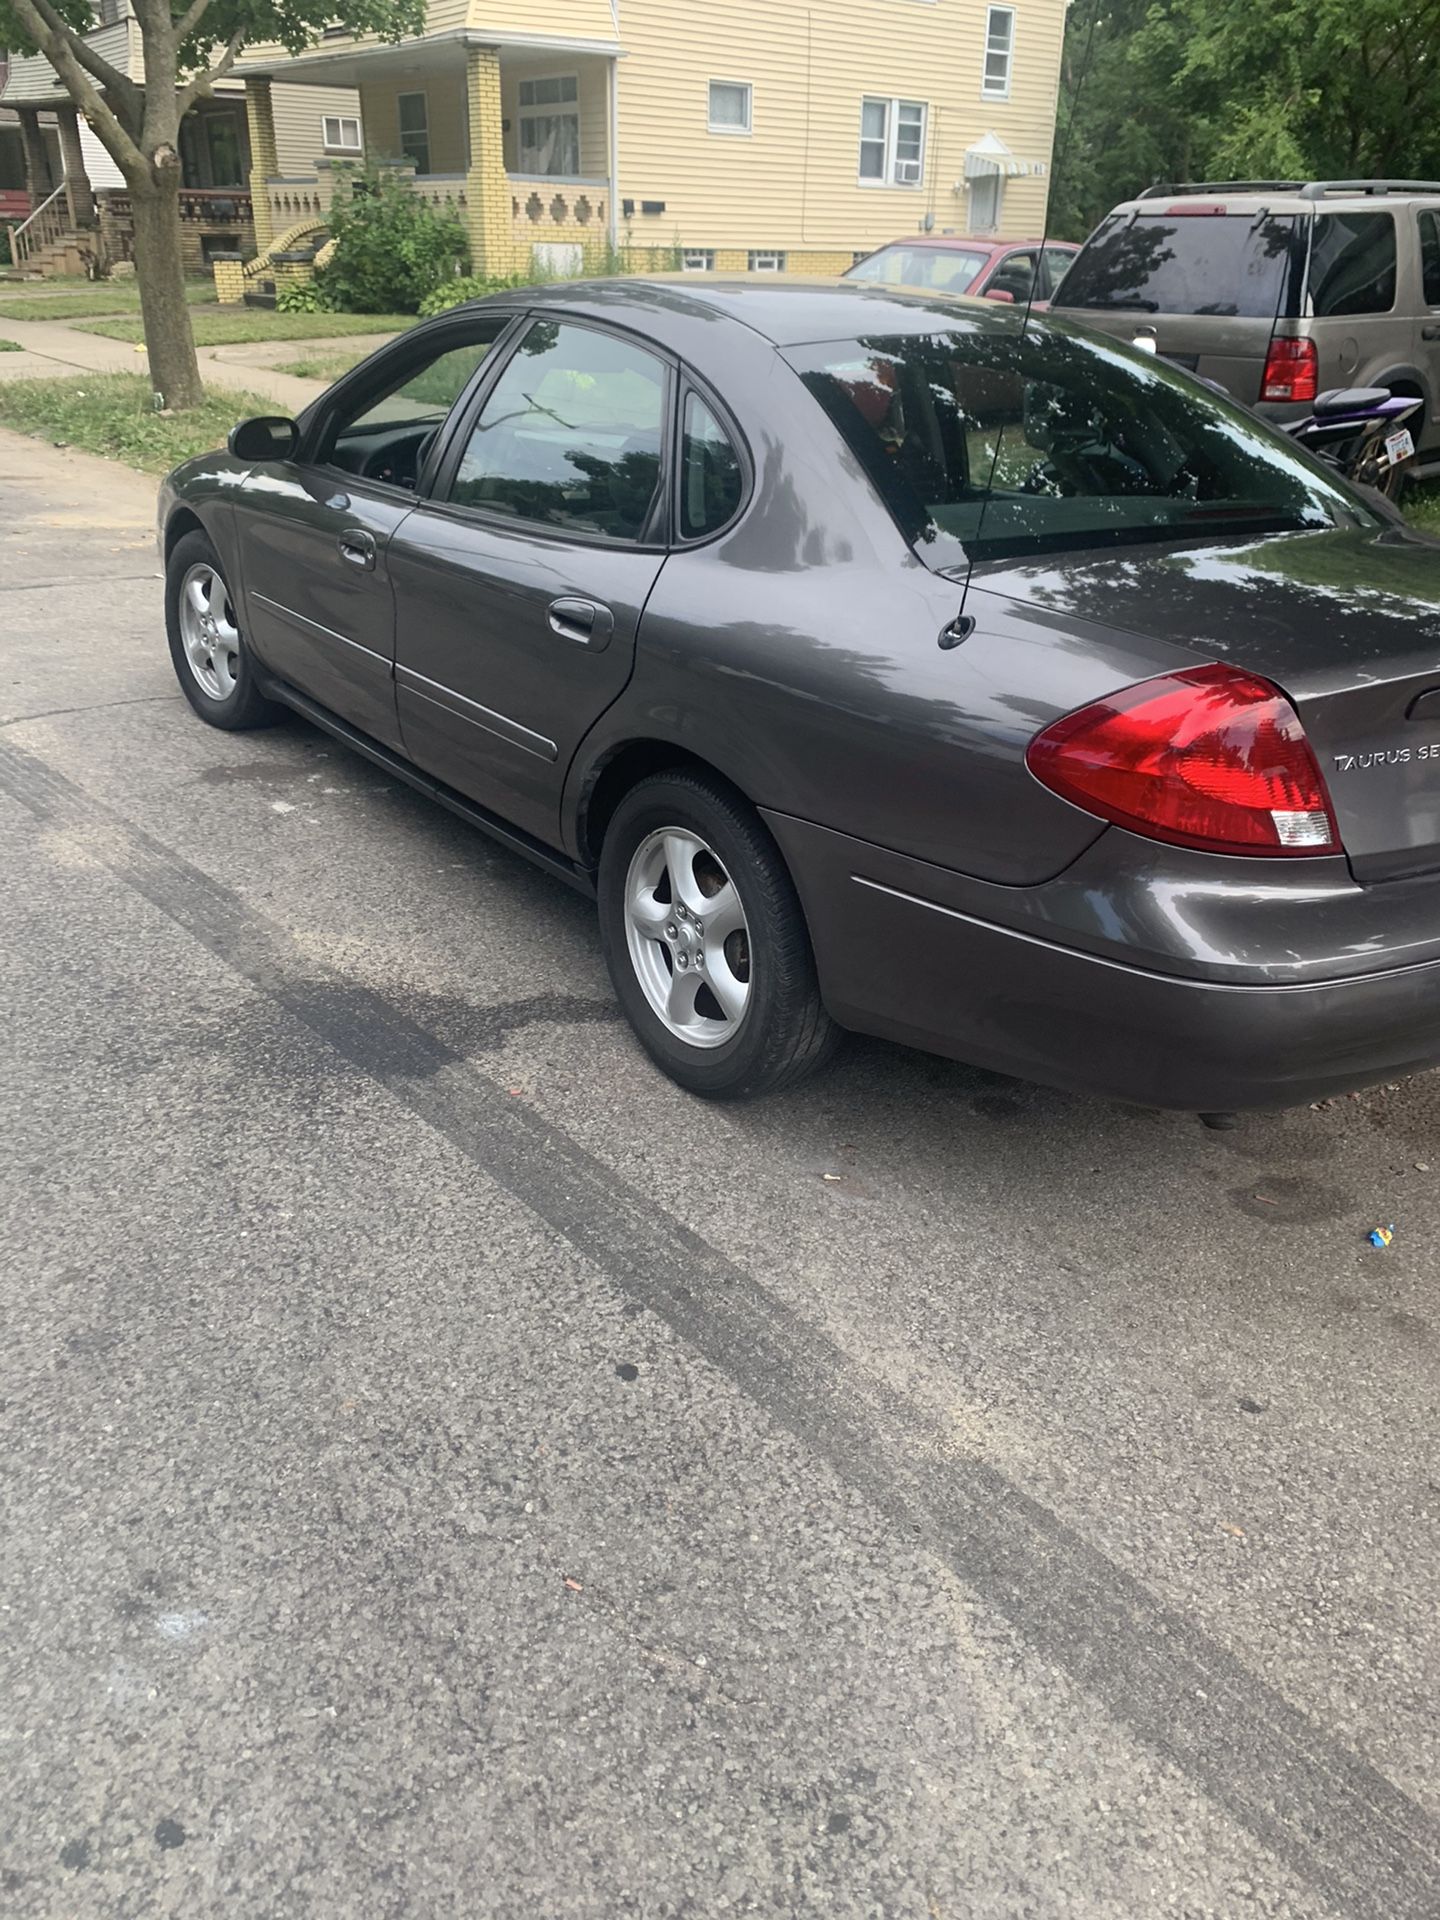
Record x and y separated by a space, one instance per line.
1346 622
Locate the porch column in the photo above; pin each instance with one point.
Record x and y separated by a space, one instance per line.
37 161
77 182
487 188
264 158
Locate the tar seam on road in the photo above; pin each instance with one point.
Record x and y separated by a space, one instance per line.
1336 1821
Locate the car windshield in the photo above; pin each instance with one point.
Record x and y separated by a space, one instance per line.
1236 265
987 442
946 269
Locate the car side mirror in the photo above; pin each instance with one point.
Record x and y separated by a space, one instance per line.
999 293
267 437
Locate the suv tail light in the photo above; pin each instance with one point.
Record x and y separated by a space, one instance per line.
1292 371
1211 758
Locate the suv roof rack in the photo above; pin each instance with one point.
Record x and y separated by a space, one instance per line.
1306 189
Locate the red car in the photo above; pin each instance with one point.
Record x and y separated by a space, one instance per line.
957 263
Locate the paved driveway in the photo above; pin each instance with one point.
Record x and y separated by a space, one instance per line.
448 1472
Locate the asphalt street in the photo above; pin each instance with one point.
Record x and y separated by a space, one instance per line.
447 1471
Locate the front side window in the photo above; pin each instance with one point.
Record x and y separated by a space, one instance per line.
550 125
340 133
1242 264
947 269
999 52
987 443
570 436
413 112
729 107
1352 264
1015 275
711 476
386 430
892 142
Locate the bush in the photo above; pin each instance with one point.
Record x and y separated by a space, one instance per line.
299 296
391 248
470 286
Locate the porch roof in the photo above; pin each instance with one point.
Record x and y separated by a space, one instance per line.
352 66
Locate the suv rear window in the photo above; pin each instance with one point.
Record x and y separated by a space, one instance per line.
1352 264
1240 264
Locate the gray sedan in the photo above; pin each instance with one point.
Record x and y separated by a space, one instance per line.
877 662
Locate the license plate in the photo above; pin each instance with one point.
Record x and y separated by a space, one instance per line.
1398 446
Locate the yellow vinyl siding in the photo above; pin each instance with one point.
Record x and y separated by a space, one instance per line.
562 19
445 111
793 184
299 132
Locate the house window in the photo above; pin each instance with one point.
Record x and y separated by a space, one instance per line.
698 259
767 262
340 133
985 192
892 142
414 117
999 51
550 125
729 106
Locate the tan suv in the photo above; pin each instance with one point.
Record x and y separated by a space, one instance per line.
1277 289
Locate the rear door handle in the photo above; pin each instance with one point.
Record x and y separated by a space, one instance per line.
358 547
584 621
1430 333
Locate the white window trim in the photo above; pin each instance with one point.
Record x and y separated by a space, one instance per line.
705 256
997 93
892 106
720 127
342 120
775 255
556 108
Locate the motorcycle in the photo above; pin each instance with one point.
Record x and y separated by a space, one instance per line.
1362 431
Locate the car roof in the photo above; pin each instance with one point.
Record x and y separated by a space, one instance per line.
971 242
680 310
1280 197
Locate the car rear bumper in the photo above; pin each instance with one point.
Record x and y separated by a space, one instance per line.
907 968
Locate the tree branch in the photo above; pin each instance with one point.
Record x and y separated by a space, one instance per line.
94 63
204 83
59 47
189 20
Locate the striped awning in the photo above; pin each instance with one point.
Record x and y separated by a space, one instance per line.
990 155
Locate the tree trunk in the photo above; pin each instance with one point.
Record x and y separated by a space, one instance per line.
160 272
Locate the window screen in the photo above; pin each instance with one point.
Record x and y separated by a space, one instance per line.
1352 264
711 477
570 436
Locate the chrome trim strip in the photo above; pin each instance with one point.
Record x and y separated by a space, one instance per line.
307 625
459 708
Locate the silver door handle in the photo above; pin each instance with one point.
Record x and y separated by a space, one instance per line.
358 547
584 621
1430 333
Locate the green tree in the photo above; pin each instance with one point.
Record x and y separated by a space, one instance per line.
1228 89
187 45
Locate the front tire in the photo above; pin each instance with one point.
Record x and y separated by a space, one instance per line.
706 943
207 649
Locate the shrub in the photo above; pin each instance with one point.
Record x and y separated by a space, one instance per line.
391 248
299 296
470 286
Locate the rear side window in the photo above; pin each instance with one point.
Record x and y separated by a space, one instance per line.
711 477
1352 264
1430 257
1241 264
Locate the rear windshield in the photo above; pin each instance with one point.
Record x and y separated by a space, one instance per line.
986 443
947 269
1241 264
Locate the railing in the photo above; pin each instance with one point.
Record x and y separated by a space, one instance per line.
553 203
199 206
49 222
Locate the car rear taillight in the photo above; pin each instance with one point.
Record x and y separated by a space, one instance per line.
1292 371
1211 758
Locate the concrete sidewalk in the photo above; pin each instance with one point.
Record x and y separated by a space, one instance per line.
50 349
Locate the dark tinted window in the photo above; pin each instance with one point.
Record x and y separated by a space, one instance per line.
711 478
986 442
1352 264
570 435
1430 257
1234 263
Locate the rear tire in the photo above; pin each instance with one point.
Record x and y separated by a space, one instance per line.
214 666
706 943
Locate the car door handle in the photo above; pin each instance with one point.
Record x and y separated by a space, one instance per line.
358 547
1430 333
584 621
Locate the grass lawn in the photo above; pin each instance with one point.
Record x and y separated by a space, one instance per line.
1421 505
112 414
228 327
123 296
322 366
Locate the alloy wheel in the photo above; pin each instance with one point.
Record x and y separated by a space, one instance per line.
688 937
209 632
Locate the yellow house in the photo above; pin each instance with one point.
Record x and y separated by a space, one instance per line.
768 135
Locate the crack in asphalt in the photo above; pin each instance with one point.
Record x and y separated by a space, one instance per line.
1334 1819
